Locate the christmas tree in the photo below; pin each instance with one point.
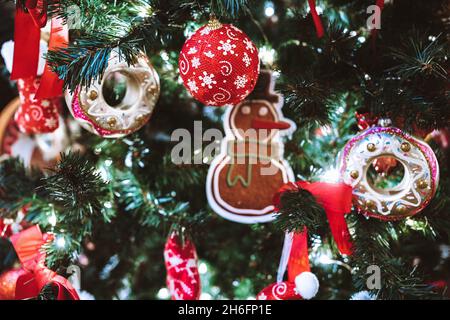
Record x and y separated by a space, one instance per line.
115 183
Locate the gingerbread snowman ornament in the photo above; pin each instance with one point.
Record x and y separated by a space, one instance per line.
250 167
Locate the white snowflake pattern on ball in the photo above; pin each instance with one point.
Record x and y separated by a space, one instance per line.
240 81
226 47
192 50
207 80
246 59
45 103
192 85
50 123
195 62
249 45
205 31
209 54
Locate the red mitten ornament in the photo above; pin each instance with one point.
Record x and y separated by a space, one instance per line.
219 64
35 115
183 279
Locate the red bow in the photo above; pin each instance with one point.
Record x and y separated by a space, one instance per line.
28 245
316 18
336 199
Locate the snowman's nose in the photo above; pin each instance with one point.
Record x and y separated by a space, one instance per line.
267 124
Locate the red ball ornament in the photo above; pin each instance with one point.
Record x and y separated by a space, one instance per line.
219 64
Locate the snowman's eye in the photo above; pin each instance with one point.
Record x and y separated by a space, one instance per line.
245 110
263 111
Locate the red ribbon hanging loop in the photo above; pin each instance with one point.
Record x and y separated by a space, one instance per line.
38 11
26 45
316 18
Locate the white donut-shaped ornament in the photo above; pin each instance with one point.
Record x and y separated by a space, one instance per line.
415 190
89 107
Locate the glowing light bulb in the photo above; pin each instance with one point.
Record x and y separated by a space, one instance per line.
324 259
60 242
269 9
163 293
164 56
267 55
52 219
205 296
330 175
202 268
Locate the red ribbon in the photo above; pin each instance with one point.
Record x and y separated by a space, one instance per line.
26 45
28 246
38 11
316 18
51 86
336 199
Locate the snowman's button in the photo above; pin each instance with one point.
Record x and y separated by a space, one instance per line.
245 110
263 111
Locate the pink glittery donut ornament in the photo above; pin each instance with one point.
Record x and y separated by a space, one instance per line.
415 189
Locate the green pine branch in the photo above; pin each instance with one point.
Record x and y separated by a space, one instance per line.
373 241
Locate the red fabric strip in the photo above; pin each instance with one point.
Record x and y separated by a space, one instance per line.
51 86
336 199
316 18
339 230
298 259
38 12
26 46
